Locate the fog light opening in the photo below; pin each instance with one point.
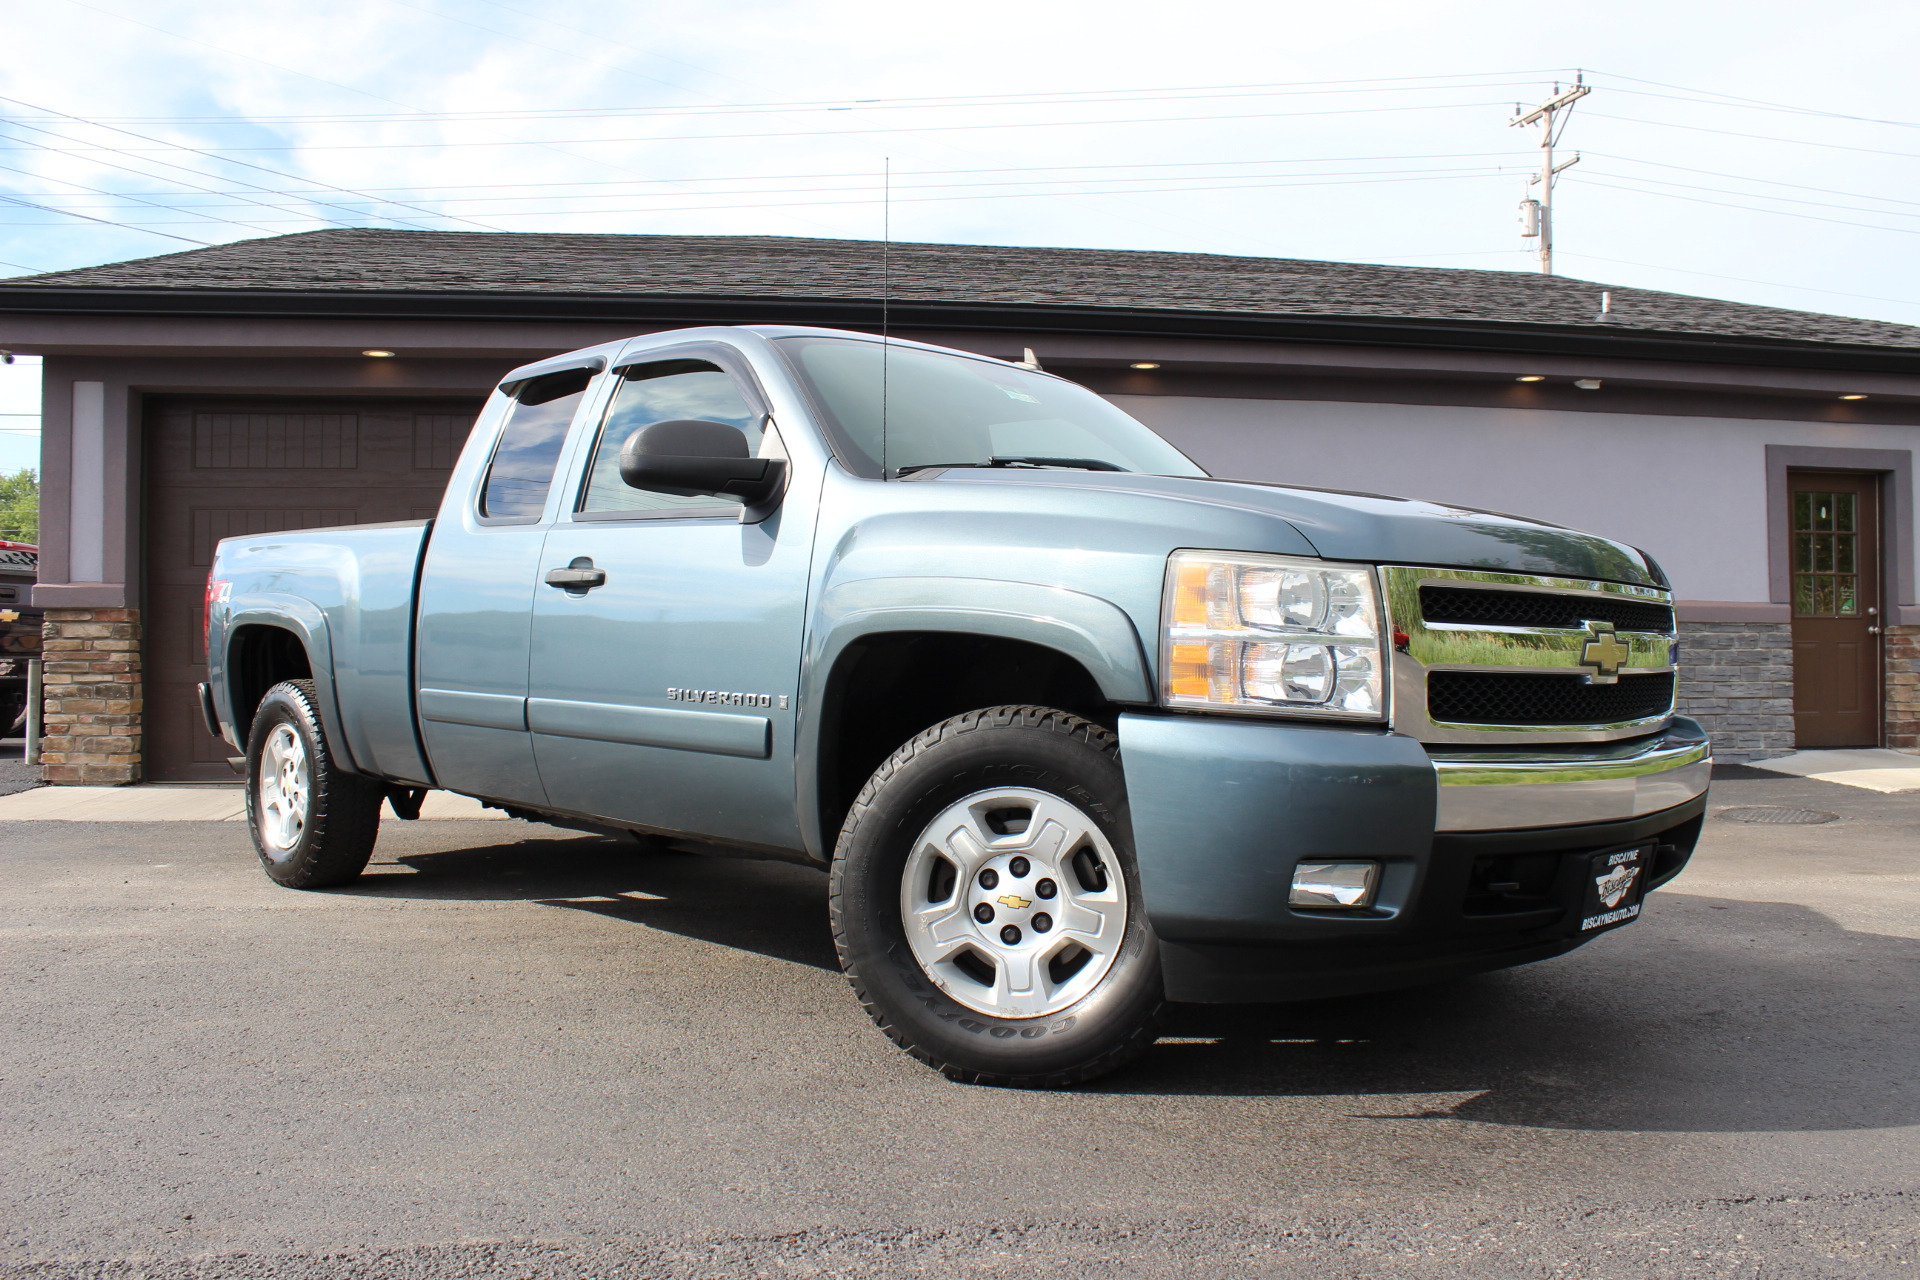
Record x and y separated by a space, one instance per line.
1343 886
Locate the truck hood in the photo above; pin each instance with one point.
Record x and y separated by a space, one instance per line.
1373 527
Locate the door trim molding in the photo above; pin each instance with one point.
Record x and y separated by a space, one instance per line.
1896 521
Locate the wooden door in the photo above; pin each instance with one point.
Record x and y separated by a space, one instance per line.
217 468
1835 547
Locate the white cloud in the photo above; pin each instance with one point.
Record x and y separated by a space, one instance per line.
247 64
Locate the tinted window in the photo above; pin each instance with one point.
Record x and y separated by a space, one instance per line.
530 444
950 409
663 391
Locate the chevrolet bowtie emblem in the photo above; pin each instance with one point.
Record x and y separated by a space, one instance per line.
1604 653
1014 902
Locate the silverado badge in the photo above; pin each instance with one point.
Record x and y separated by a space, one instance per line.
1014 902
1604 653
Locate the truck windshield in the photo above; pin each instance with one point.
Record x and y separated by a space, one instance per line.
954 411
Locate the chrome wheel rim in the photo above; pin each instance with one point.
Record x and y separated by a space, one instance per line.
1013 902
285 789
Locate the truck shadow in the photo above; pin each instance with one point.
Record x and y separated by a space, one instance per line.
1708 1015
776 909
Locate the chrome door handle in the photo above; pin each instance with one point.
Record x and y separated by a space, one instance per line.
1873 631
578 576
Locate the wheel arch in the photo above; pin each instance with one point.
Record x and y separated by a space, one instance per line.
268 641
895 655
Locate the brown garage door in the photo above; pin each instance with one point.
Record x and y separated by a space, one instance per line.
216 468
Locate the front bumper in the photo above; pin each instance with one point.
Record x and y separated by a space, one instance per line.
1511 790
1224 809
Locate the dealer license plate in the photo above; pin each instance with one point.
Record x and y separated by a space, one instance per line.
1615 881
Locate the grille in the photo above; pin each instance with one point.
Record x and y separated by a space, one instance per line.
1533 609
1476 697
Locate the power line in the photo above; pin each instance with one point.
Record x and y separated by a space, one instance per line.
296 192
1757 195
1757 103
1741 177
1780 213
1307 179
168 164
1771 284
155 204
1757 137
868 198
103 221
829 133
177 146
1500 80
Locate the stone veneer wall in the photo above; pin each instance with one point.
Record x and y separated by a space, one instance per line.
1903 688
92 728
1736 678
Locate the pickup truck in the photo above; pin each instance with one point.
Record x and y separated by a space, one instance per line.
1076 728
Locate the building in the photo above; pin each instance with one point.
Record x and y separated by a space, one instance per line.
1764 456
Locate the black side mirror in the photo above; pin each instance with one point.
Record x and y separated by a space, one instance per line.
691 458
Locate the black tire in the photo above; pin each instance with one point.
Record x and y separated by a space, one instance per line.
1034 748
340 817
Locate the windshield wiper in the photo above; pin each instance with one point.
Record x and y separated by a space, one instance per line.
1084 464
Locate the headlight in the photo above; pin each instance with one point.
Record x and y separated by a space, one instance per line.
1272 633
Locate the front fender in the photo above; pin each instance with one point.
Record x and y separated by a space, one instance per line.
306 621
1094 632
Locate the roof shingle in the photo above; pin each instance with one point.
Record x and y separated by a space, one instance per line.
509 263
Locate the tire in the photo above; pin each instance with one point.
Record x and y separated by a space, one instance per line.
313 825
1026 800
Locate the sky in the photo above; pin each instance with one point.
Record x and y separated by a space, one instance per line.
1762 151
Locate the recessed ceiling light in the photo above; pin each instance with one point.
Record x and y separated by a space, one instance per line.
1855 396
376 351
1144 364
1587 384
1531 377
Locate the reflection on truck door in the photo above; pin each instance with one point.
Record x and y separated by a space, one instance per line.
661 692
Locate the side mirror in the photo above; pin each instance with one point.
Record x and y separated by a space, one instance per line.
691 458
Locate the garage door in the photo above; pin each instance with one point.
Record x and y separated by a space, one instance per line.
217 468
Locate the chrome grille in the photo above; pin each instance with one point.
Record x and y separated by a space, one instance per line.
1488 657
1490 697
1539 609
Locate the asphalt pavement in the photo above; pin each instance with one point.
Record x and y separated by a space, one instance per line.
517 1051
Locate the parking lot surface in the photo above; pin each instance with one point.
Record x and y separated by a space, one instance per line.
512 1050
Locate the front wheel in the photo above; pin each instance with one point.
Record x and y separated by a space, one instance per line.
313 824
986 906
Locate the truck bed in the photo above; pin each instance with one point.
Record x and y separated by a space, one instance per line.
352 590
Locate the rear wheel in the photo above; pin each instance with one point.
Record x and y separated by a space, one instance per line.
986 906
313 825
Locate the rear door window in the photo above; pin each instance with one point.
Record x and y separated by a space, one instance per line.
523 461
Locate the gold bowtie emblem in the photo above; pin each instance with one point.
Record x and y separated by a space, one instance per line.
1604 652
1014 902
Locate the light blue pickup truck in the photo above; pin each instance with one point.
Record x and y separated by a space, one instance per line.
1076 728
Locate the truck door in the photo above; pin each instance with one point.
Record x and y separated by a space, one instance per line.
477 594
666 633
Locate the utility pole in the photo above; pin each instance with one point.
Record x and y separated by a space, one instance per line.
1536 216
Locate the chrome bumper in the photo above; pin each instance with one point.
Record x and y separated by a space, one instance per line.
1507 790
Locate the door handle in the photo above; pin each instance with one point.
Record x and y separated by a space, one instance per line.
578 576
1873 631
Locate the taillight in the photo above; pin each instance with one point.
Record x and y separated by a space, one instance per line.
217 591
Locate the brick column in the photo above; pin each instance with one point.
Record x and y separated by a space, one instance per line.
1903 688
92 727
1736 678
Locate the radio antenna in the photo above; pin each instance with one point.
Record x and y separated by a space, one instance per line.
886 295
